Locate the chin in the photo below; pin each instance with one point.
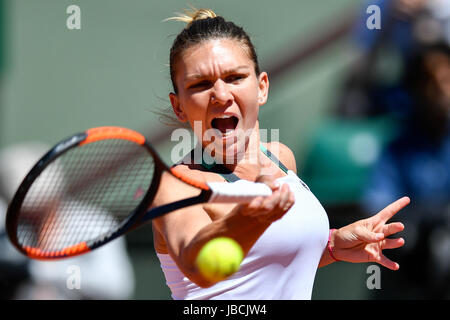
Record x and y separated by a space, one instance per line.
232 152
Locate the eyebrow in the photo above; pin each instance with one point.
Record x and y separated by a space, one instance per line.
238 69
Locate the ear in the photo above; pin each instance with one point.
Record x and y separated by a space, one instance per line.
263 88
177 107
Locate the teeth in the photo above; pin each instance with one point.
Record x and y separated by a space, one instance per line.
224 116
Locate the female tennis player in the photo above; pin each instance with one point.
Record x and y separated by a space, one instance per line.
285 237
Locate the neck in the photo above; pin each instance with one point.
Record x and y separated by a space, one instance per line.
246 161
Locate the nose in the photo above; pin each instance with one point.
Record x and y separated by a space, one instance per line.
221 93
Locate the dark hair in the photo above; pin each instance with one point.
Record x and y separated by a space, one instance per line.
204 25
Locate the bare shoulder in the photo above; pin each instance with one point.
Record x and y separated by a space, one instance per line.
283 153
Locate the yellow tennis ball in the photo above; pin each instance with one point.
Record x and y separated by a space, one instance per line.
219 258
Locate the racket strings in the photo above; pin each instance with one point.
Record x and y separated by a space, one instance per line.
84 194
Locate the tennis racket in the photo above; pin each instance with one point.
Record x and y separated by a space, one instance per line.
95 186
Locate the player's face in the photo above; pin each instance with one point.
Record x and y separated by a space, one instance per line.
218 87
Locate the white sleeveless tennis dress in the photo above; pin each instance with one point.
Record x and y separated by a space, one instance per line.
282 263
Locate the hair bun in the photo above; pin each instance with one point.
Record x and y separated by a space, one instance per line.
190 15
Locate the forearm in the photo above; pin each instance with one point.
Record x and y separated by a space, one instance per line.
326 258
245 230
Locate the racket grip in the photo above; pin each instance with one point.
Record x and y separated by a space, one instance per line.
241 191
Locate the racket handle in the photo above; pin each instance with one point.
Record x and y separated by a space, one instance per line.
241 191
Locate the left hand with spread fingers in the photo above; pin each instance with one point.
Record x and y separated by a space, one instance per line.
365 240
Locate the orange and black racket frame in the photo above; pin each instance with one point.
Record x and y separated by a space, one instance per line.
138 217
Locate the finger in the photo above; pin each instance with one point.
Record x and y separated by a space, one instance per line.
284 203
392 228
388 212
375 255
366 235
269 180
253 206
286 200
266 205
269 203
392 243
278 206
388 263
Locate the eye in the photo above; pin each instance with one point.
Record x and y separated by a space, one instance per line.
200 85
234 78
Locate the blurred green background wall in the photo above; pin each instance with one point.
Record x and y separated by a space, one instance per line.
113 71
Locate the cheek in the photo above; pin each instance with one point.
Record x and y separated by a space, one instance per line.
249 104
194 106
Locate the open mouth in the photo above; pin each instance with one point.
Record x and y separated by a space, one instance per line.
225 123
